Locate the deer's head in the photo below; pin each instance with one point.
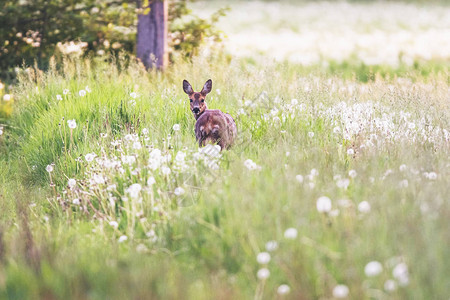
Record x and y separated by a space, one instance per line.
197 99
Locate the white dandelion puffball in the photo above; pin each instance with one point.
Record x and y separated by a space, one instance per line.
49 168
87 89
82 93
271 246
390 285
114 224
133 95
400 272
72 124
263 258
165 170
179 191
352 173
364 207
151 180
283 289
176 127
72 183
90 157
6 97
373 268
323 204
76 201
134 190
250 164
290 233
123 238
263 273
65 92
58 97
350 151
299 178
1 131
311 134
340 291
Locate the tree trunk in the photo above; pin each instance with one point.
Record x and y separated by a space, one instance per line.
152 34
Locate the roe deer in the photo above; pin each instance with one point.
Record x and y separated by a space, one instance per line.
212 126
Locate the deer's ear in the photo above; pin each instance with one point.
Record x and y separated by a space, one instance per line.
207 87
187 88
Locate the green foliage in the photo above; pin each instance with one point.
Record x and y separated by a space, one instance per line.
36 30
207 241
188 32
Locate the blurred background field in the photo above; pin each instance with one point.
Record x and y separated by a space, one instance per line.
337 187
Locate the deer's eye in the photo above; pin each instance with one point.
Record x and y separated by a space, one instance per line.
203 100
190 100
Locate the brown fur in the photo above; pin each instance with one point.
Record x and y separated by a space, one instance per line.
212 126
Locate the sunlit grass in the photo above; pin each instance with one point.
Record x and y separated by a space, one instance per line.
301 137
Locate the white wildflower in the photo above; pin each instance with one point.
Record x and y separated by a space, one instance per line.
373 268
311 134
123 238
179 191
340 291
114 224
134 190
390 285
133 95
283 289
6 97
352 173
76 201
65 92
364 207
176 127
72 183
290 233
263 258
90 157
72 124
263 273
58 97
151 181
323 204
82 93
299 178
271 246
49 168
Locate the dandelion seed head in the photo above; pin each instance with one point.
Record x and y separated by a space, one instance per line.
283 289
340 291
323 204
364 207
263 258
373 268
271 246
390 285
72 124
122 238
291 233
179 191
72 183
263 274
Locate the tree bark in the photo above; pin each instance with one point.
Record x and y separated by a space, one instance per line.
151 46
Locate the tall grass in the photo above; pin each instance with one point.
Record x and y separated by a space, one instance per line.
383 142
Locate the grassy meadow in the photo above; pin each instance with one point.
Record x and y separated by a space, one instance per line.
337 185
